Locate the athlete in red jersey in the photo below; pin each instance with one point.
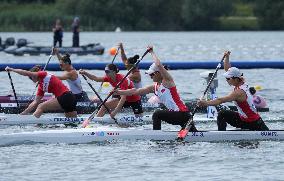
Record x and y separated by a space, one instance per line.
117 103
247 116
64 99
135 75
165 88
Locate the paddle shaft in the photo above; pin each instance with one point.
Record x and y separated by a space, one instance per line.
94 90
115 55
182 133
13 88
208 85
121 81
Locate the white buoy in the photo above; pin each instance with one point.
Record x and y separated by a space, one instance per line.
117 29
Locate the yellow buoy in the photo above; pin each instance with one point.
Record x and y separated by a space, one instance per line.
258 87
105 84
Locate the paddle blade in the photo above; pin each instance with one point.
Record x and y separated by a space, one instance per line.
85 123
183 132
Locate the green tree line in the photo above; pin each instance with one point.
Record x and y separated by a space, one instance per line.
143 15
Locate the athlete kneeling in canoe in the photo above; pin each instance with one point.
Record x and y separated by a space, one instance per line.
71 76
164 87
246 117
117 103
64 99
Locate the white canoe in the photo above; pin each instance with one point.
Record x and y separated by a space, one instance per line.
29 119
88 135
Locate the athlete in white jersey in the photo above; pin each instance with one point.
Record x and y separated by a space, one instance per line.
246 117
164 87
71 76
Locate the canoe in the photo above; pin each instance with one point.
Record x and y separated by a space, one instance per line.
90 135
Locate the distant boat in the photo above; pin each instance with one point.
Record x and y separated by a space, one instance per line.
94 49
22 47
117 30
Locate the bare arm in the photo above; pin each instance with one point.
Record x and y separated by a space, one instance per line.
72 75
238 95
91 76
165 74
227 63
140 91
168 80
221 100
122 53
33 105
64 76
22 72
55 50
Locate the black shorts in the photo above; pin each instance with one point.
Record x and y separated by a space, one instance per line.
82 97
115 96
136 106
172 117
233 118
67 101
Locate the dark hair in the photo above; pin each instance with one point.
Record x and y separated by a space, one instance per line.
252 90
133 60
166 67
113 67
35 68
66 58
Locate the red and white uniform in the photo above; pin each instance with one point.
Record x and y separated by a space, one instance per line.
51 84
246 109
170 98
126 84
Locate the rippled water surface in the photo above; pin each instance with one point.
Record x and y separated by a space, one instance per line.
146 160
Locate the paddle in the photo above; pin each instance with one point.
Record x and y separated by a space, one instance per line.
51 54
13 88
100 89
183 132
87 121
98 96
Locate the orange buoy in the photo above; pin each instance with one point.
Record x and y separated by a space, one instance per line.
112 51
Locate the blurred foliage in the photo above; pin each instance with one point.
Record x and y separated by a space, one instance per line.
202 15
270 14
143 15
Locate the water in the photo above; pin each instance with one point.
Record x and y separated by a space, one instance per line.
146 160
181 46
